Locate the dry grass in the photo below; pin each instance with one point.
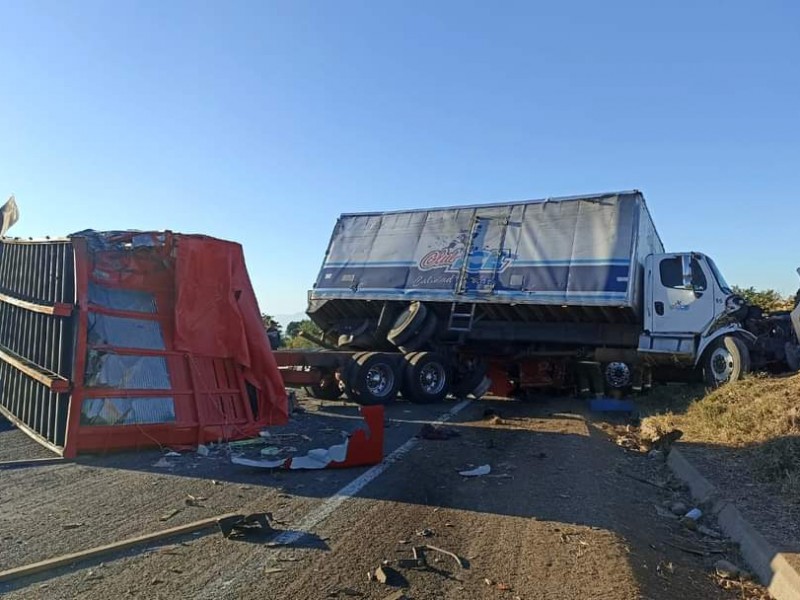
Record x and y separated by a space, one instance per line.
759 416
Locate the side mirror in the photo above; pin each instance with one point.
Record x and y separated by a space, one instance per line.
686 271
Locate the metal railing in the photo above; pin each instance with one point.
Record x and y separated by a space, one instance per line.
37 295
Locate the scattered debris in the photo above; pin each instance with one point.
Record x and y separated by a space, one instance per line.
425 532
458 559
433 432
694 514
169 514
678 508
488 581
386 575
194 500
270 451
173 454
345 592
689 520
243 443
409 563
215 482
726 569
503 587
203 450
381 576
477 471
665 568
364 446
707 531
67 526
238 526
162 463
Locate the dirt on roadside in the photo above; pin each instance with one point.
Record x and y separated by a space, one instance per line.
745 438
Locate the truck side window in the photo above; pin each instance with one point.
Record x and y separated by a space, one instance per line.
672 274
699 281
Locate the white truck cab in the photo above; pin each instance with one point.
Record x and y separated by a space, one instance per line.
691 315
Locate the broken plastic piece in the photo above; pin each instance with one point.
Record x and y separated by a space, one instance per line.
363 447
477 471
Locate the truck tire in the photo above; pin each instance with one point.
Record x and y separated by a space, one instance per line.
326 389
407 323
374 379
348 373
357 342
726 360
426 378
422 337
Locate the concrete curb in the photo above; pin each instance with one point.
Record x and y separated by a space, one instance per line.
771 566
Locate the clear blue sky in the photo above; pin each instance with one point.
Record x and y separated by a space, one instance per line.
262 121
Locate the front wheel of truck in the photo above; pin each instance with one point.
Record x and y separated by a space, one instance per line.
726 360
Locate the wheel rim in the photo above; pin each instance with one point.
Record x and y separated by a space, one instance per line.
618 374
379 380
432 378
722 364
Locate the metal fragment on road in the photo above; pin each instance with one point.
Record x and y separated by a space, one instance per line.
458 559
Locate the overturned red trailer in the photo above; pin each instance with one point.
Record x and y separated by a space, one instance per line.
125 339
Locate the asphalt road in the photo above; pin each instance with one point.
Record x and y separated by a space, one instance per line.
559 516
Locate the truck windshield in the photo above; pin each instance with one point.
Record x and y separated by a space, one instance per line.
718 275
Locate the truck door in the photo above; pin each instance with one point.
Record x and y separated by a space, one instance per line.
682 294
484 255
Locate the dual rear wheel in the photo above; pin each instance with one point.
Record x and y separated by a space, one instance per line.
377 377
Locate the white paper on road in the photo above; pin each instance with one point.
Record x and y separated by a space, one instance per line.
477 471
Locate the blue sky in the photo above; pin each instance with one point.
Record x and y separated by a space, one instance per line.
262 121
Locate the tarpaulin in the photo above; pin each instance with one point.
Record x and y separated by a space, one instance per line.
583 251
217 314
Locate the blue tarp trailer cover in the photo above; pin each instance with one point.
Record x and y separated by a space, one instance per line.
576 251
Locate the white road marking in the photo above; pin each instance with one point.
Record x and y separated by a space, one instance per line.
328 506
